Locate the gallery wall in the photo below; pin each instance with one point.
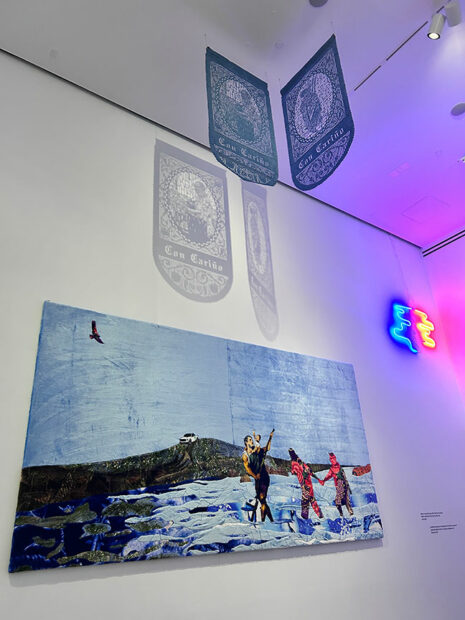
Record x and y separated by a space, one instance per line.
76 208
446 270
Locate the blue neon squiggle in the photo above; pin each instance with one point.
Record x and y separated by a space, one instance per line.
400 326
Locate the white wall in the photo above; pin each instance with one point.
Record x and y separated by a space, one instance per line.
446 269
76 228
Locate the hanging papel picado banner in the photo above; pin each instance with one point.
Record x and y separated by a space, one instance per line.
319 124
240 122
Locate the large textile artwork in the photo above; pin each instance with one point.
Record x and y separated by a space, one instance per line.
147 442
240 122
191 238
317 116
259 264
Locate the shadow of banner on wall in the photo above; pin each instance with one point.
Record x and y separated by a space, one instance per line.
191 236
259 263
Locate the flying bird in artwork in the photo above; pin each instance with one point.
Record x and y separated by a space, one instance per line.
95 335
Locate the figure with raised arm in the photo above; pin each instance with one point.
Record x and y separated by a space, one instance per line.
254 464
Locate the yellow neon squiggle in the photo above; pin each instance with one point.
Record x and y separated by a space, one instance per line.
425 327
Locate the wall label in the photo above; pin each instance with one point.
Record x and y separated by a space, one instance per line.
437 528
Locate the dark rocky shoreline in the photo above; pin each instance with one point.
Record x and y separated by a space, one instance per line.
204 459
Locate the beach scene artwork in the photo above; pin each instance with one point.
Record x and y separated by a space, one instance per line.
148 442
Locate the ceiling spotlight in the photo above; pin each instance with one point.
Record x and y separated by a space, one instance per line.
437 24
318 2
453 13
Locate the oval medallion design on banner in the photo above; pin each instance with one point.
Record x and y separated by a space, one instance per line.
259 263
240 123
191 238
319 124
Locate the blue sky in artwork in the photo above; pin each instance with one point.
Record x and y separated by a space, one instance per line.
147 385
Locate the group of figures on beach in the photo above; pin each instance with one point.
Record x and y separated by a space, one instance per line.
253 458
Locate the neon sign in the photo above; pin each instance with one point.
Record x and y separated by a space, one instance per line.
411 328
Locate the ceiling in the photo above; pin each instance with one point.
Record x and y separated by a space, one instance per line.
402 172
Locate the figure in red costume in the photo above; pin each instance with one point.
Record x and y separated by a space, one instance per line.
342 486
304 475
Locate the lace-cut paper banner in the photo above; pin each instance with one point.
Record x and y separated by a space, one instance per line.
259 264
319 124
240 123
191 238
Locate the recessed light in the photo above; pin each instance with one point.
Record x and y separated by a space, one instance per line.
458 109
318 2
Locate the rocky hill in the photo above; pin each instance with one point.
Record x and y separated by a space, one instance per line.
204 459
